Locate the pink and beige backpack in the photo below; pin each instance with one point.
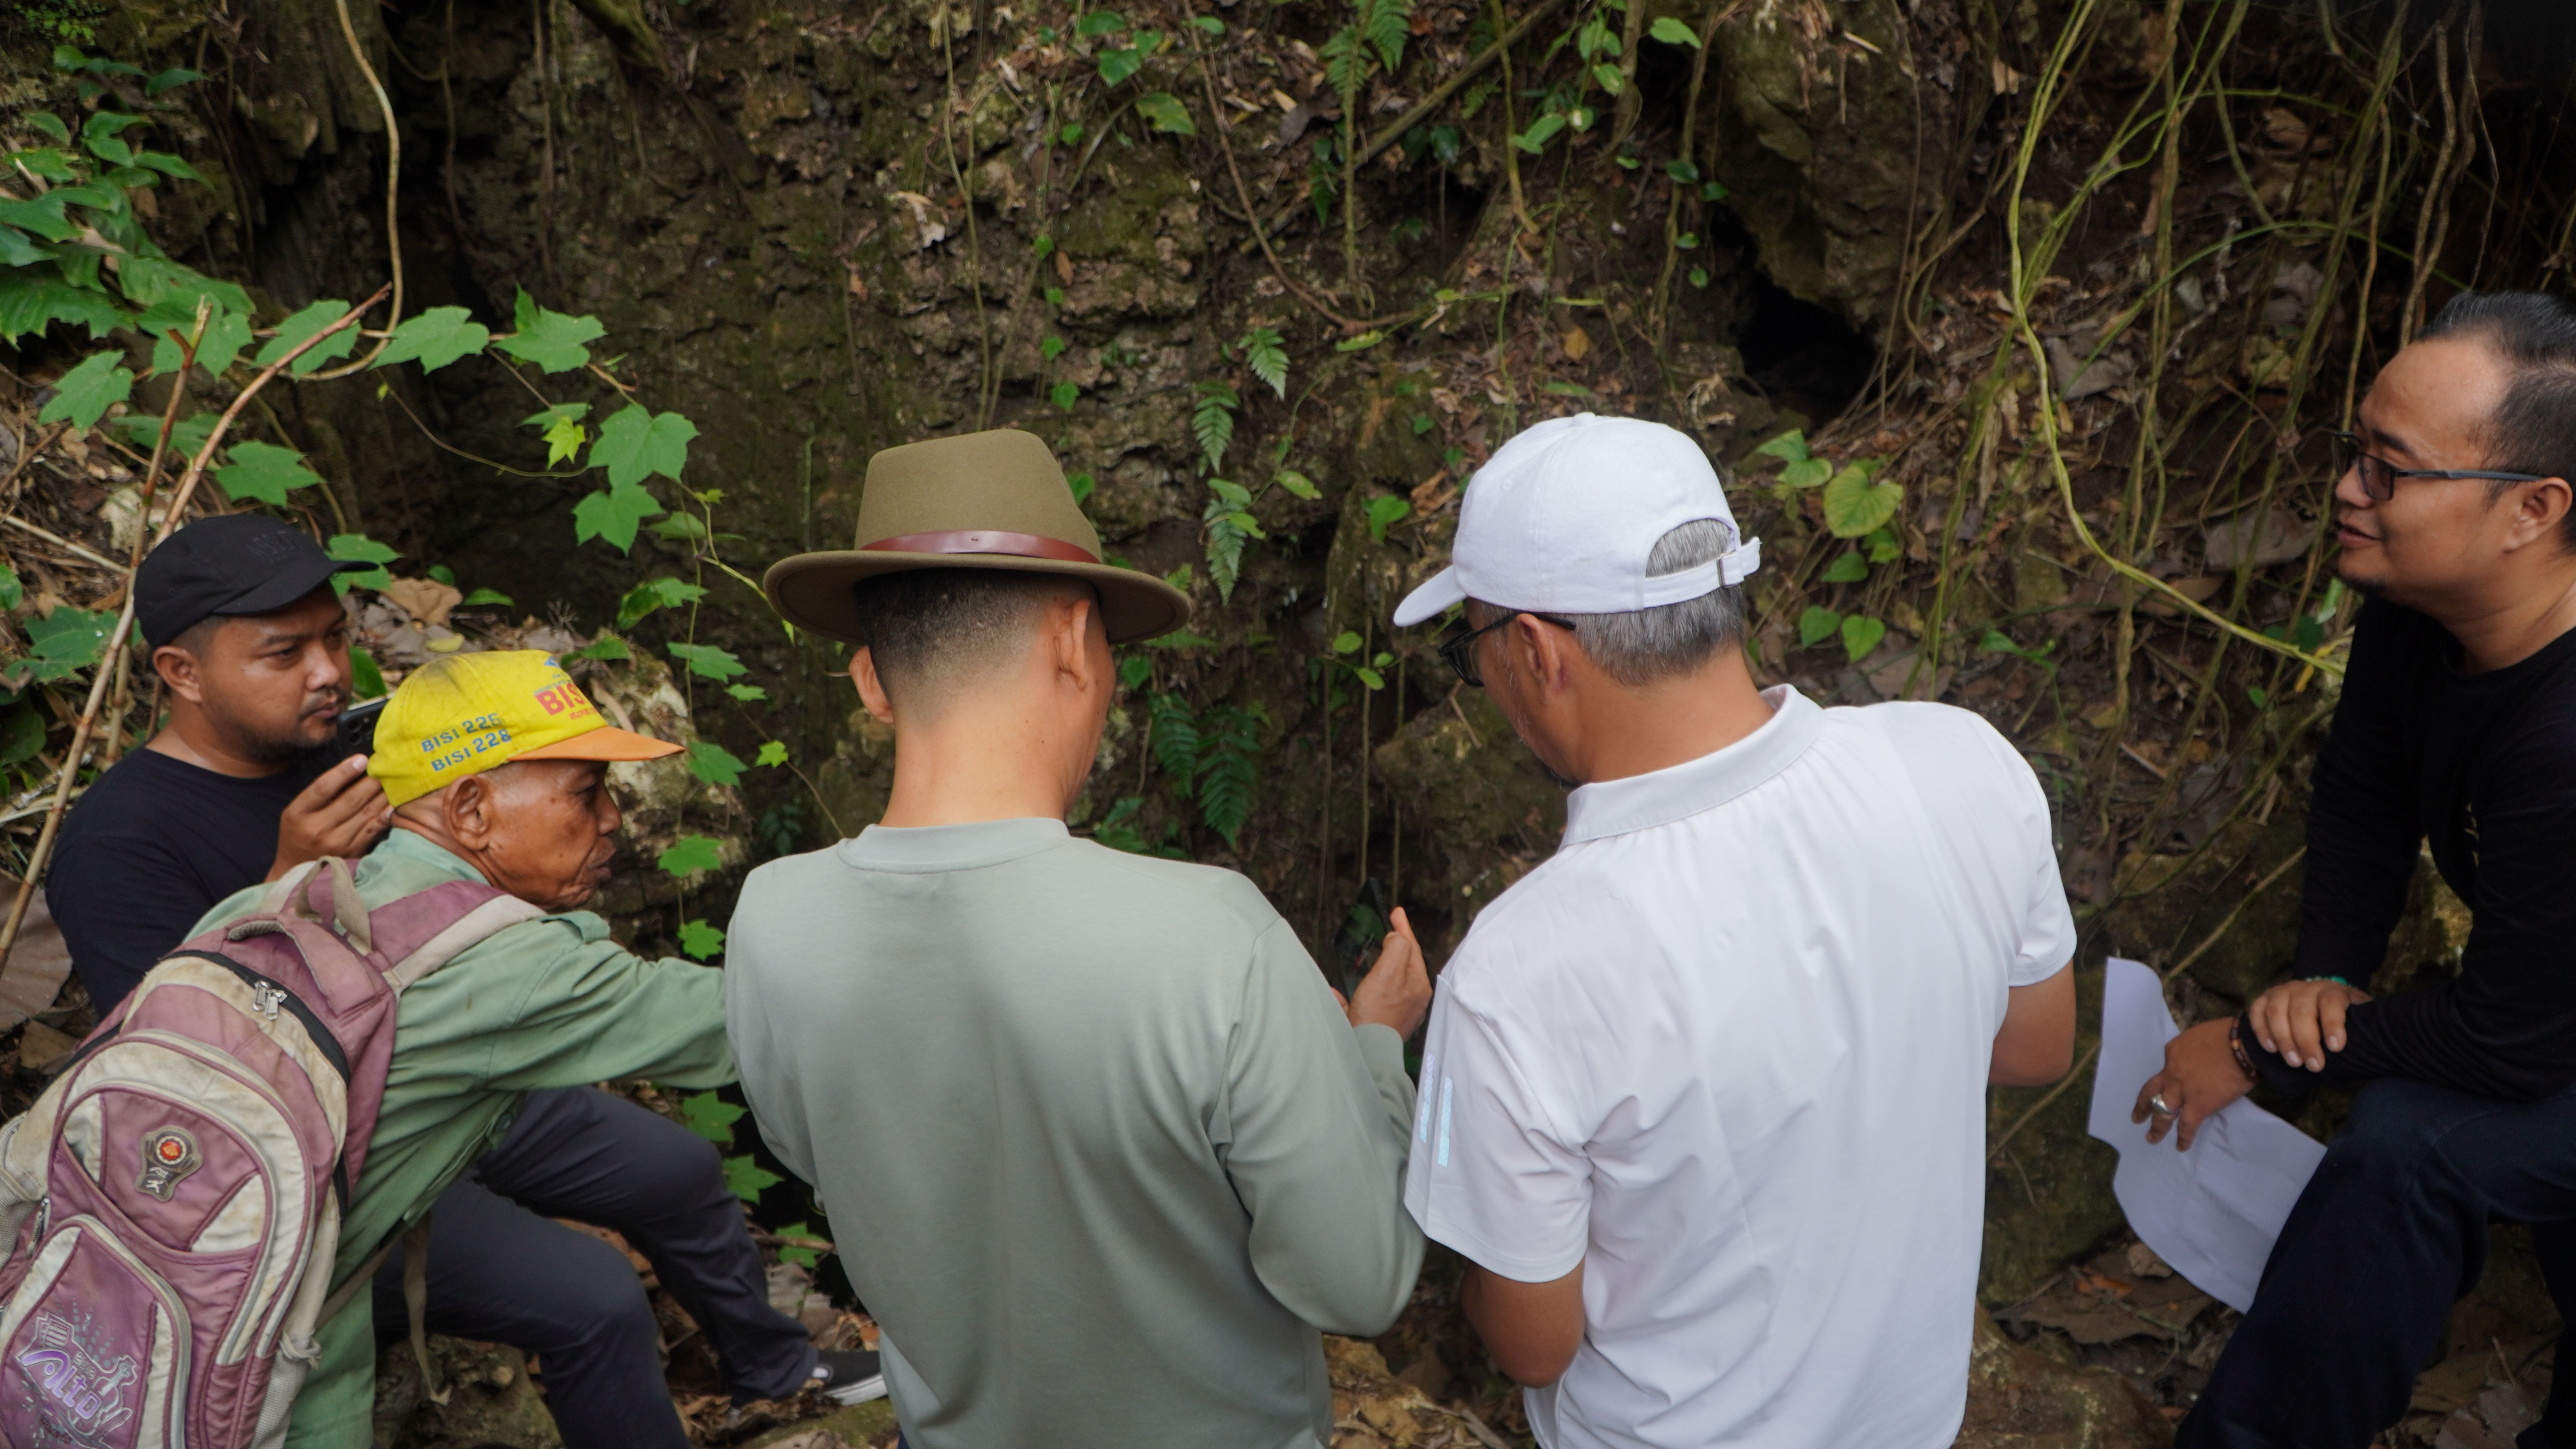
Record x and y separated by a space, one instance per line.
171 1205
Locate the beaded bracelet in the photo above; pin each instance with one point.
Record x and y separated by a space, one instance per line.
2236 1044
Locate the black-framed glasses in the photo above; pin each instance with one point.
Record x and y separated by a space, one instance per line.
2379 476
1458 647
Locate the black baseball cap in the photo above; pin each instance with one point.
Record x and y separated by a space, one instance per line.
233 563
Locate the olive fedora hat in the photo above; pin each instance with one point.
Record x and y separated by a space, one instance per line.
991 500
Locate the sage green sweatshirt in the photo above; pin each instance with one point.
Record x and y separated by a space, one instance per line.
1101 1153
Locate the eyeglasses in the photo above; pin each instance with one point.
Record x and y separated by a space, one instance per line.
1459 647
2379 476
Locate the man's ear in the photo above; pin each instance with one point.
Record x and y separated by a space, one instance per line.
1538 651
469 816
1071 621
178 670
872 694
2542 510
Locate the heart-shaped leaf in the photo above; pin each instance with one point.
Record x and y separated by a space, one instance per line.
1860 635
1817 625
1850 568
1856 505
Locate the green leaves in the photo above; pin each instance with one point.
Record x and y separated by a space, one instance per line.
1383 512
435 338
1672 31
772 752
613 515
1212 421
561 425
358 548
1175 731
1266 353
1229 744
689 855
1212 761
551 340
1855 504
708 1115
1386 23
1119 63
29 303
709 662
1861 635
267 473
60 644
101 134
1805 469
84 394
799 1253
714 763
1166 113
1540 132
637 442
749 1179
652 594
1849 568
227 334
1230 523
292 333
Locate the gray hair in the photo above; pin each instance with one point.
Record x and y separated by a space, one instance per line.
1645 645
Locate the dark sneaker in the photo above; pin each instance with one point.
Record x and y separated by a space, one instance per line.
847 1376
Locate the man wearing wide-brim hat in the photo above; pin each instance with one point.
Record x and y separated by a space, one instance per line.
1102 1151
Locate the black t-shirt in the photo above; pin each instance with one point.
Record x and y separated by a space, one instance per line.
2482 767
149 849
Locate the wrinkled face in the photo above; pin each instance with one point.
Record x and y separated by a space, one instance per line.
547 830
2433 537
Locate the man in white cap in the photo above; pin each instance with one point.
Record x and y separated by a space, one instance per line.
1703 1098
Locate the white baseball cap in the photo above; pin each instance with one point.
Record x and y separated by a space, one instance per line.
1562 518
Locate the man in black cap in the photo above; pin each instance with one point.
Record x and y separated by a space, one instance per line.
252 648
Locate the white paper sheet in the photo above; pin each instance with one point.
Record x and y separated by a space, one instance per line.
2212 1212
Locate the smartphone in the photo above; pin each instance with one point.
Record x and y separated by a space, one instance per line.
357 728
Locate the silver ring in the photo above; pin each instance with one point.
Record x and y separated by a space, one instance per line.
2156 1104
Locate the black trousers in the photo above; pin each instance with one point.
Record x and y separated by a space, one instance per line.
2390 1233
501 1270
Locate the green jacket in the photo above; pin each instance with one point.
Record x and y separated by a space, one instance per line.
547 1003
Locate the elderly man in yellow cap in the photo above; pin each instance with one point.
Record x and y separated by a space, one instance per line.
497 765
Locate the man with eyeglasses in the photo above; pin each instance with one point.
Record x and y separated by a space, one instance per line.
1703 1097
2457 729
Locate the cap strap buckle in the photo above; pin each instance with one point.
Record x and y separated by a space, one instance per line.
1725 571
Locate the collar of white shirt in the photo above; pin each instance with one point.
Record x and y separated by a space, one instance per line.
1660 797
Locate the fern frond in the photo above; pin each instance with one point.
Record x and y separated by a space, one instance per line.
1176 740
1212 421
1387 24
1227 772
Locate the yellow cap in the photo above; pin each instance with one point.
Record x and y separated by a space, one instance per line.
462 714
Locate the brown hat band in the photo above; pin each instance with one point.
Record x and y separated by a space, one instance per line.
984 540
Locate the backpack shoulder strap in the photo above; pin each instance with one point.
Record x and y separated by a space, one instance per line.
427 929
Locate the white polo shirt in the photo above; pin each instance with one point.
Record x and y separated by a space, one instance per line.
1727 1050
